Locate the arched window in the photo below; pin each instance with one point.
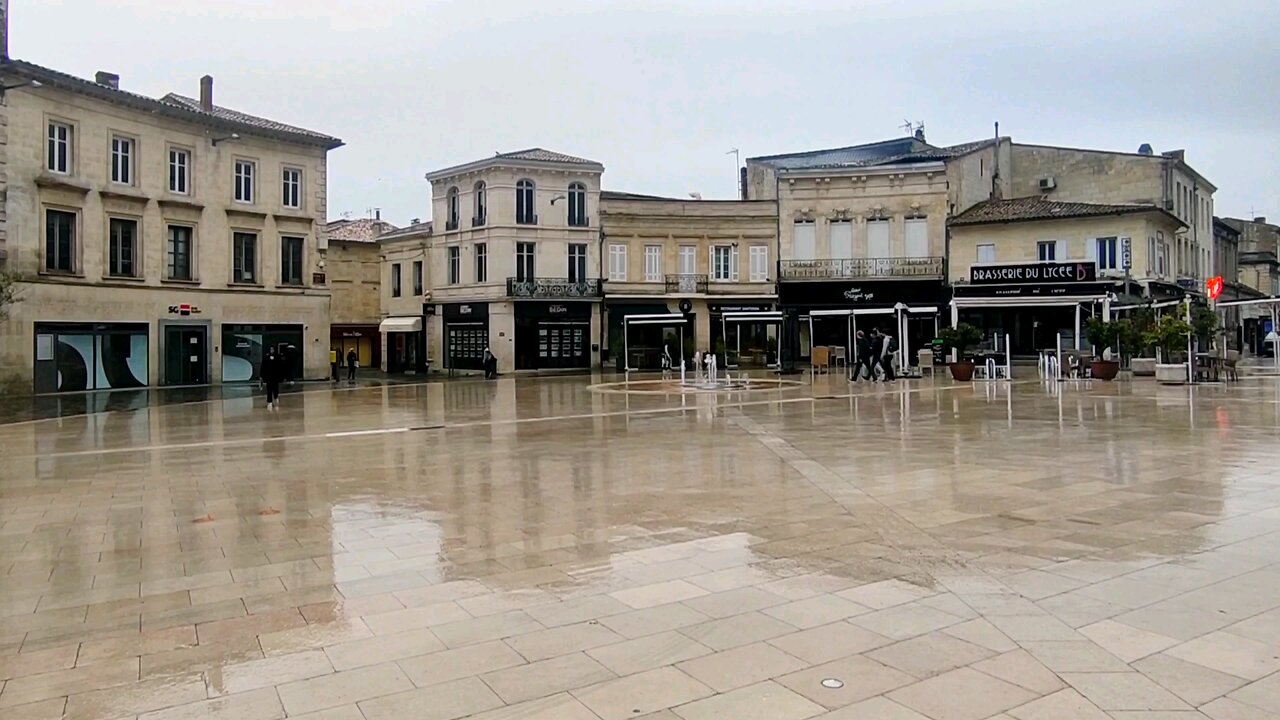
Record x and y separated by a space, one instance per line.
481 209
577 205
526 213
451 219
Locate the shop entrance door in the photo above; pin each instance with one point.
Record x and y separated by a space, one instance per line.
186 357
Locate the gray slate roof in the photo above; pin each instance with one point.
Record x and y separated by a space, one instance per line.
541 155
899 151
1034 208
172 105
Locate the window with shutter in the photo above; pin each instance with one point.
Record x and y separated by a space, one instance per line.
878 239
759 261
806 240
841 239
917 237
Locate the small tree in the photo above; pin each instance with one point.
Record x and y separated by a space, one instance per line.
960 338
1169 336
1102 334
1132 340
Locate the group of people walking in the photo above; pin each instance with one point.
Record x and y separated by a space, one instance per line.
875 351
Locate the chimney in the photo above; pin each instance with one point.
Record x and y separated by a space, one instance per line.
1261 220
111 80
377 214
206 93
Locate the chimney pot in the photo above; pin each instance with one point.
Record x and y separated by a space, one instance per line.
377 214
111 80
1261 219
206 93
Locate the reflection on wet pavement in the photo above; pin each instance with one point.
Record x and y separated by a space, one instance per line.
545 548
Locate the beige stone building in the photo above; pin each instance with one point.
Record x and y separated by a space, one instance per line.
515 262
163 241
862 231
354 268
407 312
699 258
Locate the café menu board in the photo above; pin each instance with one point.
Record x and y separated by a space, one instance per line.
1033 273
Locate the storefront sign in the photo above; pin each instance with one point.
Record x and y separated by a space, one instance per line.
184 309
1033 273
559 311
764 307
1045 290
466 311
1213 287
857 294
865 294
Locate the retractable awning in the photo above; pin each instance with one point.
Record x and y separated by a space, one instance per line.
400 324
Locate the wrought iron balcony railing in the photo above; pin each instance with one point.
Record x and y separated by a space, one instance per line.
923 268
686 283
553 288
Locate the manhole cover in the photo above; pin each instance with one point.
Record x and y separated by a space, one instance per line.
832 683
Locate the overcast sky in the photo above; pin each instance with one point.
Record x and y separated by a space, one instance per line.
659 90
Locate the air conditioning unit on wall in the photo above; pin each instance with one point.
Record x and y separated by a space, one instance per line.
1047 183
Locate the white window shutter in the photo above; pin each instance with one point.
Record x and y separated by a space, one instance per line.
1091 249
711 262
733 264
1060 250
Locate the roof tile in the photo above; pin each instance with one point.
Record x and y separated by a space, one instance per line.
1034 208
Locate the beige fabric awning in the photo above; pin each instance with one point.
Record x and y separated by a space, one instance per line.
401 324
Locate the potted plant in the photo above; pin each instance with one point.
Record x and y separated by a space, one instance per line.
1169 337
960 338
1134 343
1103 336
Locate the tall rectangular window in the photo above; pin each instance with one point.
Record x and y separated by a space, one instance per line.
291 187
688 260
179 171
916 235
759 262
244 262
59 241
986 253
618 263
841 239
724 265
577 262
525 261
455 265
1047 251
178 253
395 279
653 263
244 173
482 262
59 148
1106 253
878 239
806 240
121 160
417 277
291 260
122 247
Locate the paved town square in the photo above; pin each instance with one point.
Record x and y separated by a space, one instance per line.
580 548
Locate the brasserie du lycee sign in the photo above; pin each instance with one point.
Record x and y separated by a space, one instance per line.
1046 272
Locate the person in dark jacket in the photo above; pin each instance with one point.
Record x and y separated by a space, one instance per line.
490 365
353 362
862 358
271 372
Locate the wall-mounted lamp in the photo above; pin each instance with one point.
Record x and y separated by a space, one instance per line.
558 197
29 83
232 136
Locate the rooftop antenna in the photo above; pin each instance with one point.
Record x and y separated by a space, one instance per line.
907 126
346 214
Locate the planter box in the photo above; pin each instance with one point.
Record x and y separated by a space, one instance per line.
1171 374
961 371
1143 367
1104 369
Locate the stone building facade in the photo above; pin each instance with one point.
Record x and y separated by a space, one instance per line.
515 261
406 310
161 241
354 268
698 259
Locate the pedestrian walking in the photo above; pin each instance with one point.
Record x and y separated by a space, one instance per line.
862 357
887 347
270 372
490 365
353 362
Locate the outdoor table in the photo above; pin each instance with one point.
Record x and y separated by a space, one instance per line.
1208 366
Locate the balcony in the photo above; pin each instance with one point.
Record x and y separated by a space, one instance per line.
893 268
553 288
686 284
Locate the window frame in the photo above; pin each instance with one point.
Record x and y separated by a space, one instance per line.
415 276
169 254
576 214
135 259
1113 252
452 209
479 204
186 167
653 263
68 161
237 258
618 262
395 280
730 263
481 264
297 186
690 252
845 224
811 239
978 248
1052 245
577 266
526 207
241 181
73 237
763 275
454 265
301 261
532 261
123 156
